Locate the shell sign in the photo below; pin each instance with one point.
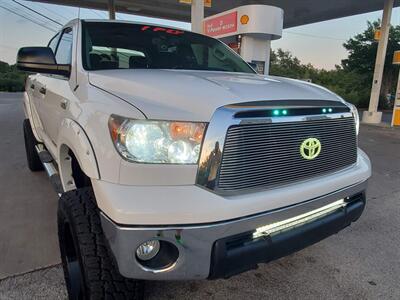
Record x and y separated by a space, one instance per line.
396 58
377 34
261 21
221 25
244 19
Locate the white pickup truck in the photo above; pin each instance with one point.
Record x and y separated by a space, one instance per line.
174 160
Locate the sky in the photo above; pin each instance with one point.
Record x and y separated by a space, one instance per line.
319 44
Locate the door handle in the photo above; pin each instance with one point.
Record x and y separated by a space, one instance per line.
32 86
64 103
42 90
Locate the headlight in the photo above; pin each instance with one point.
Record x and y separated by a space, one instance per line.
354 111
166 142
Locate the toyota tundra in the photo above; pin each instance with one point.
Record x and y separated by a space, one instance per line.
174 160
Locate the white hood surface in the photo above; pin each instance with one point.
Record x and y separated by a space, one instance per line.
195 95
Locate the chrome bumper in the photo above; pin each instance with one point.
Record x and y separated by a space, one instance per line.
196 243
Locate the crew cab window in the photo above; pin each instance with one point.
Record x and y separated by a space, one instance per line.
133 46
64 49
122 57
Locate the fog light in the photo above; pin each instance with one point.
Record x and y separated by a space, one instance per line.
148 250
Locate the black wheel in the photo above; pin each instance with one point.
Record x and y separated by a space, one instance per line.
89 269
32 157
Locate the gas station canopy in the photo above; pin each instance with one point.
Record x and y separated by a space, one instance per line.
297 12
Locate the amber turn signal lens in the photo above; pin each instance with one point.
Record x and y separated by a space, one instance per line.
157 141
114 125
190 131
179 130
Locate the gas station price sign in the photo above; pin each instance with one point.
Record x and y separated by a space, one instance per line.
221 25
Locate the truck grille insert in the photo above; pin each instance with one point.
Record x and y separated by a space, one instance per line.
268 154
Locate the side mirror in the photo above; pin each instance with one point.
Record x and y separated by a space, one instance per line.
40 60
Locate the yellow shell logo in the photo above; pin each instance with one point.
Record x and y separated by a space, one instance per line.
244 19
310 148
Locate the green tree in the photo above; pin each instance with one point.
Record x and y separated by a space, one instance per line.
362 50
350 85
11 80
352 80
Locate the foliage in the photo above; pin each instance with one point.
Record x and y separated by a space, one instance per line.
11 80
347 84
352 80
362 50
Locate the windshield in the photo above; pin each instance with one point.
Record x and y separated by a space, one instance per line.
109 45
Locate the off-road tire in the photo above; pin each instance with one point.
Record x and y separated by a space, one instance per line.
32 156
79 230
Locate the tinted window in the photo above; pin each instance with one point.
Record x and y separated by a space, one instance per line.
53 42
64 49
133 46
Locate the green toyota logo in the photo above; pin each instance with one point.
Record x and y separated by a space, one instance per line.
310 148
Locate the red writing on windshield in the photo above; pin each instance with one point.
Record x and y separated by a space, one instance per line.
167 30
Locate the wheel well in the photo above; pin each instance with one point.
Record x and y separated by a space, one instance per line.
71 173
80 178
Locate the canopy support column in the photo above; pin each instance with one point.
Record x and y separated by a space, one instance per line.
373 116
111 9
197 15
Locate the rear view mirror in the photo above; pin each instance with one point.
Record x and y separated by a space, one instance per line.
40 60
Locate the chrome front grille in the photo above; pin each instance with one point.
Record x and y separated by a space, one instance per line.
263 155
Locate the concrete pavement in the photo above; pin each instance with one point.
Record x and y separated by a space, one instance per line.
361 262
27 201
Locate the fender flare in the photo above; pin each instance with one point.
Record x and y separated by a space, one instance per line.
72 136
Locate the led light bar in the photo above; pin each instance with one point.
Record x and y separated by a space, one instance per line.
298 220
284 112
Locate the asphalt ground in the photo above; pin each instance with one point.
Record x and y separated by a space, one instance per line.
27 201
361 262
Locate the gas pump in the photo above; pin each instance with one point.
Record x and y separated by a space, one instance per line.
248 30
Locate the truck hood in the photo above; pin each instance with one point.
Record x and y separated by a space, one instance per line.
195 95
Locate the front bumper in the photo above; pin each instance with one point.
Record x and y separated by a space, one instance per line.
149 205
206 251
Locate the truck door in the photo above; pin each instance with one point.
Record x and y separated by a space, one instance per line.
56 89
35 90
31 89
